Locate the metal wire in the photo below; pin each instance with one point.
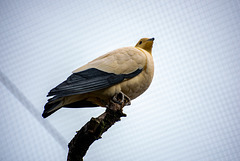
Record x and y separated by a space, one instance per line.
30 107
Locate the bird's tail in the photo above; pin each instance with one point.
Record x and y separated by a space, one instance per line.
51 107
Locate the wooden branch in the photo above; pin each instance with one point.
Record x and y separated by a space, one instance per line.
93 130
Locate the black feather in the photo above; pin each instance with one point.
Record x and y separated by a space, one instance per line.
48 107
88 81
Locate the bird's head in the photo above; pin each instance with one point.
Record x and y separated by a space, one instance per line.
146 44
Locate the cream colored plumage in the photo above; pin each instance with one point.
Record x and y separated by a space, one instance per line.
128 70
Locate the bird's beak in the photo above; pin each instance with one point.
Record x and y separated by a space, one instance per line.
152 39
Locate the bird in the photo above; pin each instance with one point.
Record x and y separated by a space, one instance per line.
127 71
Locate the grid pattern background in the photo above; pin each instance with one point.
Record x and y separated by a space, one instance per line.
190 112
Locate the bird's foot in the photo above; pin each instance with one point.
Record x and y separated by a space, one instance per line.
121 99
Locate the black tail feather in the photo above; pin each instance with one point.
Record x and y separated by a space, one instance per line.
49 109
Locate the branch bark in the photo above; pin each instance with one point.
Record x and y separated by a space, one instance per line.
93 130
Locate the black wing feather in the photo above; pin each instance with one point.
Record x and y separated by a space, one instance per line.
88 81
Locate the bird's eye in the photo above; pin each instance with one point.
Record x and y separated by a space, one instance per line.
140 42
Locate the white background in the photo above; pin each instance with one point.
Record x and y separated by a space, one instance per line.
190 112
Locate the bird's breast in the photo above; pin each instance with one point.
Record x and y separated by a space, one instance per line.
136 86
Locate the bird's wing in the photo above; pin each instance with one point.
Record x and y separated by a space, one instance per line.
88 81
107 70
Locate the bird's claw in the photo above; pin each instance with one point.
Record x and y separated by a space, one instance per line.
121 99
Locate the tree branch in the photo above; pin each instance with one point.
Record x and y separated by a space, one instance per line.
93 130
